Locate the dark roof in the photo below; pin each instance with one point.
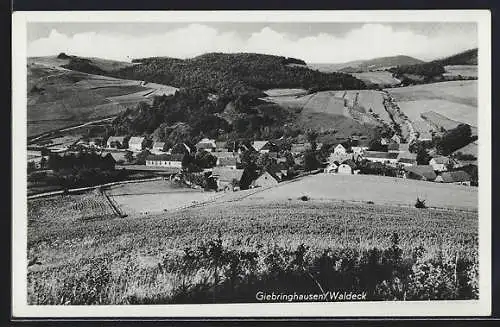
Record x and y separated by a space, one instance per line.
165 157
227 174
455 176
425 171
227 161
407 160
441 160
393 146
380 155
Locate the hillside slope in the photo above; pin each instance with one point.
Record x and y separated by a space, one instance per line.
58 97
358 66
235 74
468 57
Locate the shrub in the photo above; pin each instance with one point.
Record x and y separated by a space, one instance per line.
420 204
304 198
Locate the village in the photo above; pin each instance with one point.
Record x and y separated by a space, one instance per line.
220 165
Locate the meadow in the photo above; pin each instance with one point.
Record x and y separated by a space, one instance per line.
462 70
381 78
155 196
390 191
224 251
59 98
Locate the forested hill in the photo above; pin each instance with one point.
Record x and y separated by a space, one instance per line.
468 57
236 74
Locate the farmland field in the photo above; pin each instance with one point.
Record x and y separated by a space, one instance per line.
127 260
392 191
155 196
455 100
381 78
59 97
463 70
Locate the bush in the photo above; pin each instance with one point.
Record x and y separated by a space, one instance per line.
420 204
304 198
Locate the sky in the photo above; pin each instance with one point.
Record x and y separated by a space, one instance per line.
312 42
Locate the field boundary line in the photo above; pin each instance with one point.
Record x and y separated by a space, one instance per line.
75 190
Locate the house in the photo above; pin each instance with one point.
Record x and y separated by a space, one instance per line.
407 159
207 145
331 168
115 142
458 177
264 146
229 162
221 146
384 141
298 148
440 163
225 177
158 147
165 160
359 149
344 169
420 172
95 142
339 149
396 138
135 144
276 171
266 179
404 147
383 157
393 147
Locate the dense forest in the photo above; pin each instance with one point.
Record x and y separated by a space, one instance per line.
468 57
230 74
427 70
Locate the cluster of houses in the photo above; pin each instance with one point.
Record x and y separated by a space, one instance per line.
343 159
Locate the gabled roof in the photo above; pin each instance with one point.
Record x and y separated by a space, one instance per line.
407 155
165 157
223 154
206 144
380 155
258 145
272 174
157 145
227 174
455 176
227 161
136 140
425 171
393 146
119 139
440 160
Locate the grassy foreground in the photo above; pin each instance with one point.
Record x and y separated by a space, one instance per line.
227 251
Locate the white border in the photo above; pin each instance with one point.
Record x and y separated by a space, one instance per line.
481 307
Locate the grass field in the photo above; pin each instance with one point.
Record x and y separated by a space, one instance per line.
392 191
155 196
59 98
455 100
145 260
382 78
284 92
463 70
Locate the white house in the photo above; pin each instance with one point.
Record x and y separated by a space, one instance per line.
440 163
396 138
383 157
135 143
344 169
158 147
331 168
115 142
339 149
359 149
207 145
165 160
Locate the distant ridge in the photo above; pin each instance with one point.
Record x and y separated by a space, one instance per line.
358 66
468 57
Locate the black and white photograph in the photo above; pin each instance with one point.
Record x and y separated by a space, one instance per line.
305 163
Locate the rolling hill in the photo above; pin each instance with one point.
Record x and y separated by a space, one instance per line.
358 66
59 97
468 57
